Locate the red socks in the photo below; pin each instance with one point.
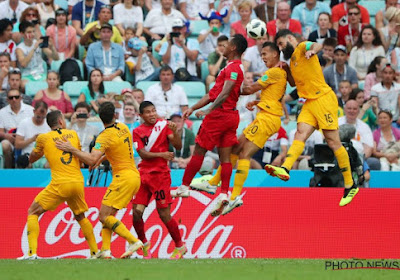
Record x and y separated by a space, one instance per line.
139 227
226 172
173 229
192 168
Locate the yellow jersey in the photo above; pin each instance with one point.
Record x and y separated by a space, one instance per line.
273 83
307 73
65 167
115 38
116 142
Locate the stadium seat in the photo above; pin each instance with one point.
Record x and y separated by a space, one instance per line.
241 127
144 85
289 88
129 77
216 4
193 89
153 51
55 65
373 6
62 4
204 71
116 87
361 84
196 26
74 88
192 101
32 87
212 84
196 126
1 158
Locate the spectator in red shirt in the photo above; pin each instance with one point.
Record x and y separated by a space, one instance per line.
283 21
340 14
239 27
348 34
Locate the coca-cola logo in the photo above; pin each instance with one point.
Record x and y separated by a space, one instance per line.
205 236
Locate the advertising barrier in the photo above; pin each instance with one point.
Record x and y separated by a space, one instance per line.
272 223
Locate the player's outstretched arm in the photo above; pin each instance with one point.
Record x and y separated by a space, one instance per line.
89 159
149 155
247 90
226 90
200 104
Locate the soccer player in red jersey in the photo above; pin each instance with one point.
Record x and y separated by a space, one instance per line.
220 123
152 140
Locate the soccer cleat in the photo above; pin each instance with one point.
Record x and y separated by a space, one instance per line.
222 201
27 257
277 171
105 254
348 196
133 247
204 186
237 202
145 251
182 191
178 253
92 257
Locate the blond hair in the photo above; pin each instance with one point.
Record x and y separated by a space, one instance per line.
245 4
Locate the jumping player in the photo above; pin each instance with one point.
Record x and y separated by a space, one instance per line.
152 141
115 141
66 183
220 123
268 121
319 111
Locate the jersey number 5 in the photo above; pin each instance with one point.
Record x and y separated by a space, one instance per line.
68 161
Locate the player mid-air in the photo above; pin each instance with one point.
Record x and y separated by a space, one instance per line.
318 112
220 123
267 122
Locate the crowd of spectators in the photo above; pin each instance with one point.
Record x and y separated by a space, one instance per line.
153 41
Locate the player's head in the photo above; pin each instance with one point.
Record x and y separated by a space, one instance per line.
107 112
55 119
270 54
148 112
236 45
286 41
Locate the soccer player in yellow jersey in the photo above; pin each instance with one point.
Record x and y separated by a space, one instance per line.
66 183
267 122
320 111
115 141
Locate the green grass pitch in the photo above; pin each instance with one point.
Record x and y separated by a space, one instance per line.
204 269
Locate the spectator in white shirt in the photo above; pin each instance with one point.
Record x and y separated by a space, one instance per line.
208 37
167 97
387 93
27 132
6 44
10 117
12 9
128 14
252 61
158 22
191 9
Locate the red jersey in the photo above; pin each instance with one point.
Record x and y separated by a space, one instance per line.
346 33
233 71
153 139
293 25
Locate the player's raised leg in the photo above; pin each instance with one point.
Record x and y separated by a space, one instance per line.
304 131
107 218
191 170
333 140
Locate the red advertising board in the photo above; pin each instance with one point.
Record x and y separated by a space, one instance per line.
272 223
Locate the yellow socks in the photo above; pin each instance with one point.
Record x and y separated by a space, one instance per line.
240 177
293 154
119 228
87 230
214 181
33 233
344 165
106 237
